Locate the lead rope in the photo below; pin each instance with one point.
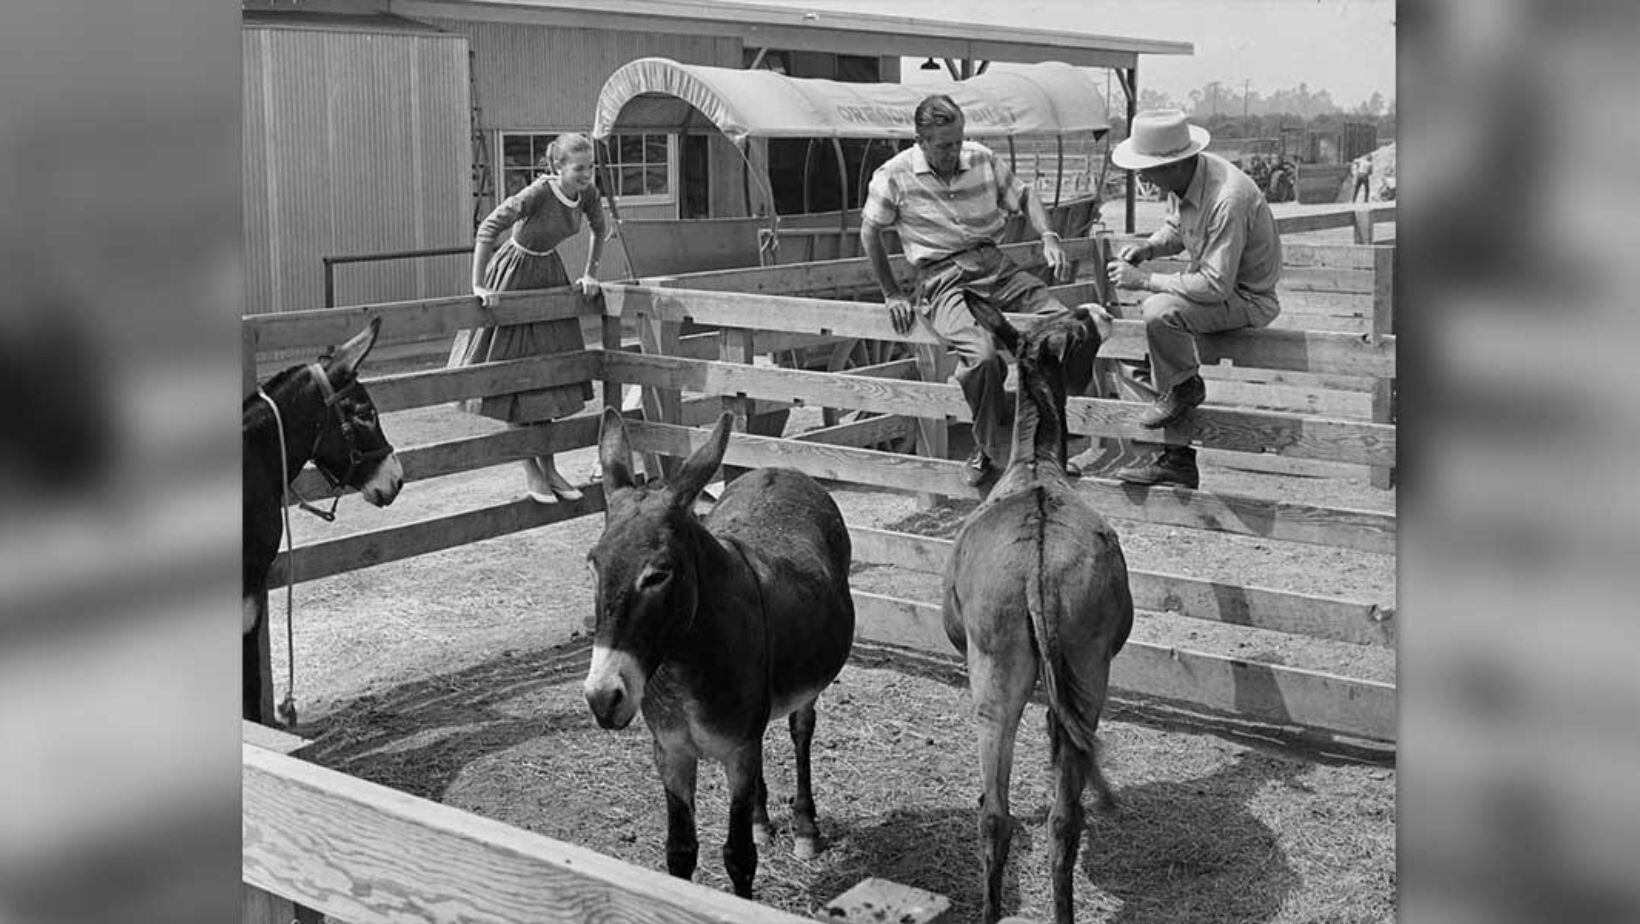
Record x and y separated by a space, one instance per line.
287 706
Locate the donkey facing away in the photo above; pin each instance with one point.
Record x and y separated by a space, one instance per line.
1036 584
324 415
715 626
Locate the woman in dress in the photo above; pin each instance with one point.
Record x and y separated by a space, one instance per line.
541 216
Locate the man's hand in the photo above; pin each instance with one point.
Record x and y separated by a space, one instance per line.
588 285
1125 275
1134 253
900 313
1057 261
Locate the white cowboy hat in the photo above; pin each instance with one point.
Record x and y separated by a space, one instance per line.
1157 137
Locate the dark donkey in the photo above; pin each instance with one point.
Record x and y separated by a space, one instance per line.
1037 584
325 416
715 626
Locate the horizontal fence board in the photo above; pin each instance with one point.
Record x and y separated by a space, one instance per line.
871 431
1247 431
329 557
1281 465
1336 353
1300 253
466 454
1311 380
270 739
828 275
1319 402
1296 280
363 853
1327 220
410 320
1362 530
1250 689
1256 607
439 386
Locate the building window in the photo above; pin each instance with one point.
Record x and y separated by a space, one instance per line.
641 165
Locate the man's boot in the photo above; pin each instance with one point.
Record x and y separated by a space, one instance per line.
1174 465
1171 406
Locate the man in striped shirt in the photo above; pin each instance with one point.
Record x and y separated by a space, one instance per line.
948 199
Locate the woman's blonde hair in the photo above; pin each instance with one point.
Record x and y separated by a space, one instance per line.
565 145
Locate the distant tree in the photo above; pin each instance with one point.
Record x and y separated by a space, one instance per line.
1150 98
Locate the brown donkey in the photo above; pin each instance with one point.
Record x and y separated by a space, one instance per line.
715 626
1036 584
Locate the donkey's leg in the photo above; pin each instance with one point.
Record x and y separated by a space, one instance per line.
743 769
1001 683
762 831
1071 767
677 768
805 833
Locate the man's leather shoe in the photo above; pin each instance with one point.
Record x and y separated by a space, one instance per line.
1175 465
976 468
1171 406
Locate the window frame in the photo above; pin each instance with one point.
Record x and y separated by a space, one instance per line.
502 169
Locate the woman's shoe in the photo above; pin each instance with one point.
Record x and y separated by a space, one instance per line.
539 488
556 482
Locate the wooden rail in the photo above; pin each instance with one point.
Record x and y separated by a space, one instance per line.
362 853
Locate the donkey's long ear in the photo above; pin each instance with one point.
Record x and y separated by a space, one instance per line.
702 464
343 364
614 453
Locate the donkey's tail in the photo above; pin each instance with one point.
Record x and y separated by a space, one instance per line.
1075 690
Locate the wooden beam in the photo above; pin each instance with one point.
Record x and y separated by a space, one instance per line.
1309 615
1268 693
360 852
438 386
1306 351
1246 431
1361 530
330 557
417 319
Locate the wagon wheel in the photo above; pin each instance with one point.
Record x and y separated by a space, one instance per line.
853 354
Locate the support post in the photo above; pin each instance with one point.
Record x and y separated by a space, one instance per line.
1384 394
1130 86
1363 224
660 338
735 346
933 434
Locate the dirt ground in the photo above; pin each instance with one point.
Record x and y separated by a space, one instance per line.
456 676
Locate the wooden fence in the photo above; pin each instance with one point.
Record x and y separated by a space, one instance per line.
687 377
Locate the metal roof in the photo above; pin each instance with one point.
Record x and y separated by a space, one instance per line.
796 28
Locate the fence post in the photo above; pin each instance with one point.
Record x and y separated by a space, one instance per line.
933 434
1363 224
1383 323
660 338
735 346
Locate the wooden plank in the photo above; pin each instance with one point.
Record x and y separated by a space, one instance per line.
360 852
1303 380
1336 218
271 739
1212 683
409 320
658 336
828 275
1293 280
1247 431
330 557
1320 402
1302 253
1362 530
439 386
1331 618
1307 351
1282 465
467 454
872 431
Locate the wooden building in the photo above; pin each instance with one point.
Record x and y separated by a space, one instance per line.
375 126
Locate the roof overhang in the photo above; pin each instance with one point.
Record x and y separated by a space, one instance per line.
797 29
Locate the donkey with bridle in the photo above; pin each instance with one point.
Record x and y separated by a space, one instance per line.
1037 586
715 626
316 412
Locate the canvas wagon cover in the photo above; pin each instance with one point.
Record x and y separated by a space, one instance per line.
659 94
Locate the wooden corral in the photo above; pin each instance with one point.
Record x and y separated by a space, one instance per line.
316 837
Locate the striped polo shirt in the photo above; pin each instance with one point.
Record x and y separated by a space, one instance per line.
936 219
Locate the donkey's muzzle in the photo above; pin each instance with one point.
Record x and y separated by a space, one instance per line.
613 688
385 482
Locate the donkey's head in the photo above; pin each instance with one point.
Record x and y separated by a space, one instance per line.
352 450
1062 345
644 569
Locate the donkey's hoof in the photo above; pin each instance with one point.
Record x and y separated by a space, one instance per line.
762 834
805 848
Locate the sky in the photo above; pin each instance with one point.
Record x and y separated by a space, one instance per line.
1344 46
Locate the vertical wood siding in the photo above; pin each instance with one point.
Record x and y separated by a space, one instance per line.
355 142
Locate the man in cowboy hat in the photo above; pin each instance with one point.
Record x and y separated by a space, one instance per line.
1219 218
948 198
